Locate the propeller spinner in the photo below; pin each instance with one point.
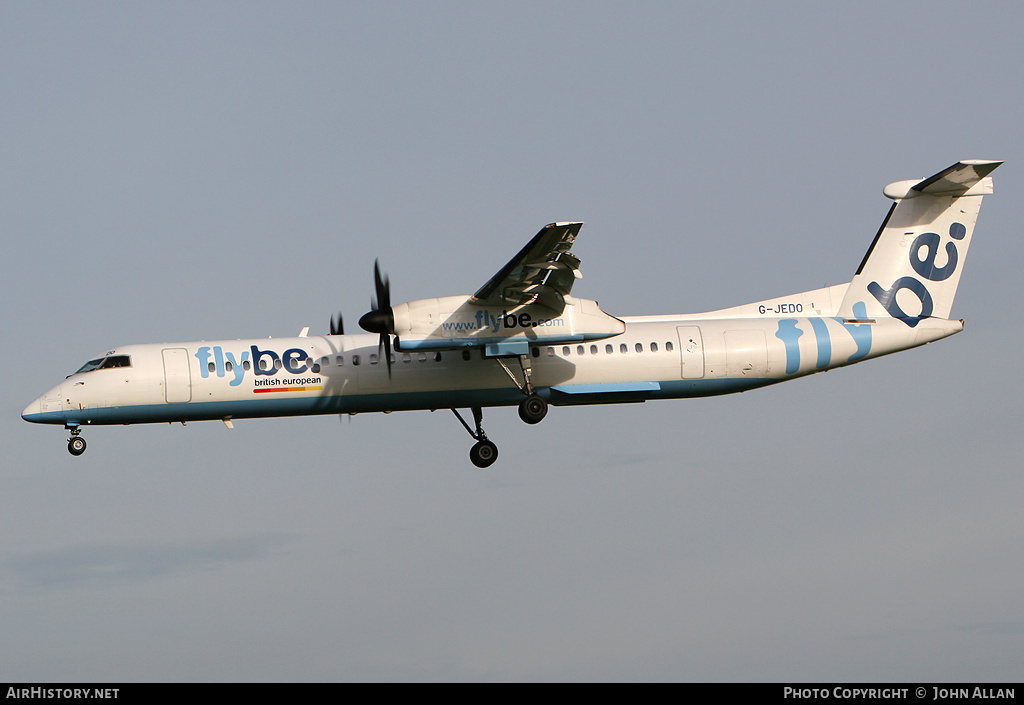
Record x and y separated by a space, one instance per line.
380 319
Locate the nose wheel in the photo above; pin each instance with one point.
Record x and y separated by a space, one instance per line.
76 444
484 452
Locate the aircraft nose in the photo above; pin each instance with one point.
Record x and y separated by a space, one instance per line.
33 410
47 408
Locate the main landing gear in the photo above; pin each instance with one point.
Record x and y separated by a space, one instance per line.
533 408
76 444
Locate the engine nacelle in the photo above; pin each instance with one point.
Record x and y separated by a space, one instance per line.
453 322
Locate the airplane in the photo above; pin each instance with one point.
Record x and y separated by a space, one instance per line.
523 340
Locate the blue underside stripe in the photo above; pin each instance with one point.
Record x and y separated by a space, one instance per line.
562 395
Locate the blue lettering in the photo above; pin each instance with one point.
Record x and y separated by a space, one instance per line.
218 358
861 332
257 361
926 267
887 297
238 367
203 355
789 334
824 342
293 356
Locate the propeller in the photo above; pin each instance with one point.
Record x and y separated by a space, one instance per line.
380 319
337 326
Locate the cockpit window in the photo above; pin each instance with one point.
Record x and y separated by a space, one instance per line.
105 363
90 366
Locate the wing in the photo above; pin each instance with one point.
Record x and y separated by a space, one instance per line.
543 272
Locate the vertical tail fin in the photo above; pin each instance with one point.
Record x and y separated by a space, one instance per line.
913 267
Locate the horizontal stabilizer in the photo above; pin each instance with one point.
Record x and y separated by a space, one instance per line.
959 177
963 178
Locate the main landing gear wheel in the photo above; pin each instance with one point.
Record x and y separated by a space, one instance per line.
483 454
76 445
533 409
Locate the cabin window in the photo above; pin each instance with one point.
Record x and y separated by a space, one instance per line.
211 367
551 352
355 360
654 347
566 351
373 358
340 360
465 355
437 357
246 366
593 350
423 357
668 346
278 364
580 350
536 352
227 366
639 347
623 349
406 357
609 349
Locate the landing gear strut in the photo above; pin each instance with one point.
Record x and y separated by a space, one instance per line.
533 408
76 444
484 453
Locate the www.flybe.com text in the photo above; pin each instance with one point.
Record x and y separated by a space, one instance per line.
485 320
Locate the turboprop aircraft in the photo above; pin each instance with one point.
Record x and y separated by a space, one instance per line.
523 340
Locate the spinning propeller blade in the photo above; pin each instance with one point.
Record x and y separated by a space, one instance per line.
380 319
337 326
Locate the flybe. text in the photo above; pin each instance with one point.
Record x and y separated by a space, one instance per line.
224 363
926 268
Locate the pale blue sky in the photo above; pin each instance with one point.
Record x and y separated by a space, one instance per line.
183 171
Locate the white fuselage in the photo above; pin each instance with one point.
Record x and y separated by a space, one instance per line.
655 358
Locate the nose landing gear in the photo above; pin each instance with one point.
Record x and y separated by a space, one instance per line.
484 453
76 444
